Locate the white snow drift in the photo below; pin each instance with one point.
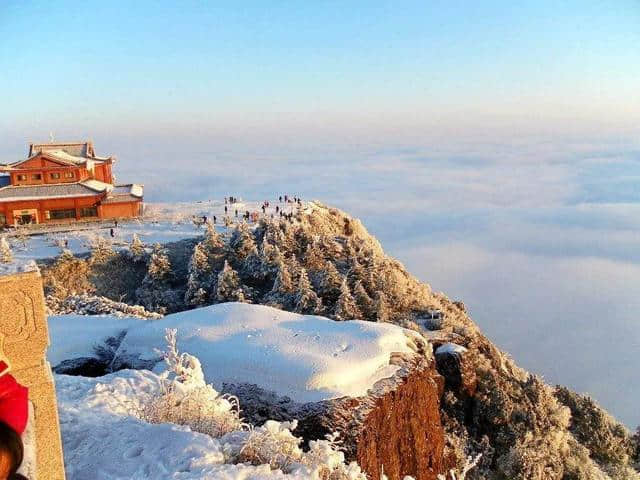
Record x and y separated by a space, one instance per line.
306 358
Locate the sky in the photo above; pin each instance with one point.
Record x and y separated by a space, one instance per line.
493 147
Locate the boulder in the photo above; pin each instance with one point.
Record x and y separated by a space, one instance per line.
456 367
395 428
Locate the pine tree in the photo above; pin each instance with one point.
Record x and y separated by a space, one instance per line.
156 292
356 272
101 250
212 240
241 244
328 283
313 259
282 291
364 301
198 279
346 308
159 270
5 251
307 302
228 287
382 313
136 248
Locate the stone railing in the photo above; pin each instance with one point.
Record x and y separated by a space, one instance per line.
24 339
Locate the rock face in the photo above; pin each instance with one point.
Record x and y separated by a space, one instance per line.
383 430
400 438
456 367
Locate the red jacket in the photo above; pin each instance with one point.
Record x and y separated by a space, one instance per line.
14 401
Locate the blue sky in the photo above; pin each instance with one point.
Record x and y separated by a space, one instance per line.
312 65
493 147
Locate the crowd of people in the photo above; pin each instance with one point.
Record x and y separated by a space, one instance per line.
283 210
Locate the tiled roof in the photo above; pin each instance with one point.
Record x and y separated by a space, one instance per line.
37 192
125 193
76 149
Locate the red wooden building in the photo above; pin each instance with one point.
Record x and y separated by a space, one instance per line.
64 182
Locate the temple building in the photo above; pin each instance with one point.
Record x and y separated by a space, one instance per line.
64 182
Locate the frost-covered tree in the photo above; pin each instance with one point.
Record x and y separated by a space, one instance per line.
313 258
5 251
101 250
328 283
241 244
229 288
136 248
356 271
307 301
254 271
212 240
156 292
346 308
282 291
381 308
198 280
364 301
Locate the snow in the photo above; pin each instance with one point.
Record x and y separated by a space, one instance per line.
104 439
74 336
97 185
450 348
307 358
96 415
18 265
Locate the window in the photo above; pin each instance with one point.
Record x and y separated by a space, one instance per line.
3 219
21 178
36 176
89 212
62 214
55 176
68 174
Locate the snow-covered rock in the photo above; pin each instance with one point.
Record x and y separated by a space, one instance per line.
307 358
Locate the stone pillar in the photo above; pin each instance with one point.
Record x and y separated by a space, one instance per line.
24 339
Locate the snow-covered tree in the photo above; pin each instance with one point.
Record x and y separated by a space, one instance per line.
241 244
199 277
381 308
346 308
356 271
136 248
101 250
159 269
364 301
282 291
313 258
253 270
229 288
5 251
307 301
156 292
328 283
212 240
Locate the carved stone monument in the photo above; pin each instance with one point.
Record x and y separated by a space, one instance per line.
24 339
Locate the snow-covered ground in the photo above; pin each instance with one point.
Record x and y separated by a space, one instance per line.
107 433
104 439
162 223
306 358
74 336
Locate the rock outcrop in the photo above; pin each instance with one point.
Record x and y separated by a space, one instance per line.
382 431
